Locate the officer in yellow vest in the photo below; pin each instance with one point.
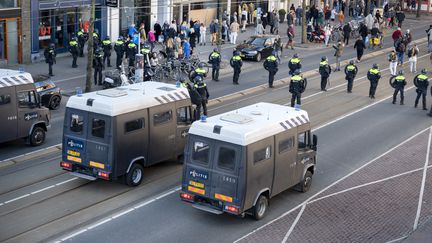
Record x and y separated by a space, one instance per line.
199 71
215 60
119 48
350 74
373 76
201 88
422 83
236 63
294 64
297 87
131 51
74 50
82 38
398 83
271 65
324 70
107 47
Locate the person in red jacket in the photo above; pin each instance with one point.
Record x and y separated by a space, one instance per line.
396 34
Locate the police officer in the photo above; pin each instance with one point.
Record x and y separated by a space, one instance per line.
297 87
145 50
119 48
324 70
374 76
398 83
107 47
82 38
96 40
271 65
199 71
350 73
50 57
193 94
294 64
98 66
131 51
422 83
201 88
236 63
74 50
215 60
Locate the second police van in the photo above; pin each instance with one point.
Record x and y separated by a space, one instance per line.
236 161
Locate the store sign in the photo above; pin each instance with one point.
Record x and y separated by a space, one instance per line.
112 3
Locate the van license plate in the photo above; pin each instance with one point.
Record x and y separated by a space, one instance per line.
196 184
74 153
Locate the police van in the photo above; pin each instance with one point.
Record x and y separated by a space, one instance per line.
236 161
21 112
114 133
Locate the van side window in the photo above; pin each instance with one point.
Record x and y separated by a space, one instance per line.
302 140
5 99
98 128
262 154
286 145
226 158
200 152
184 115
77 123
162 117
26 98
134 125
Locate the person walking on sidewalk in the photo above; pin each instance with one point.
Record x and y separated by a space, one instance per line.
398 83
421 82
338 53
400 50
107 47
351 71
412 55
234 29
119 48
346 33
271 65
215 60
373 76
98 66
214 29
203 31
296 87
50 57
359 46
236 63
392 57
324 70
74 50
290 33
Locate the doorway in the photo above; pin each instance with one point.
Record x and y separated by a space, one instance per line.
10 41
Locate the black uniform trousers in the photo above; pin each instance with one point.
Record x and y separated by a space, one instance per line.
421 93
236 75
107 57
132 62
98 76
81 49
215 72
323 83
372 88
119 60
295 96
50 64
271 78
203 104
396 91
350 84
74 60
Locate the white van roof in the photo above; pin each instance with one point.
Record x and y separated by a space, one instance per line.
250 124
125 99
9 77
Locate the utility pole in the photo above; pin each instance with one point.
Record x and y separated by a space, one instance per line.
418 8
90 49
303 24
219 15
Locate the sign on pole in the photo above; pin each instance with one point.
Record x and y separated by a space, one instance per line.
112 3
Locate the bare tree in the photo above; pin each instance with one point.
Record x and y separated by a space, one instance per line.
90 49
418 8
303 24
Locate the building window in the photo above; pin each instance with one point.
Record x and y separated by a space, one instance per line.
9 4
45 29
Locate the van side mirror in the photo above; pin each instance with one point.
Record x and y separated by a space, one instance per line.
314 142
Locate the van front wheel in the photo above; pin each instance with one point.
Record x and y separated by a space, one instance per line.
305 184
135 175
37 136
260 207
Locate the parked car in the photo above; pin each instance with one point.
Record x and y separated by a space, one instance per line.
50 94
257 47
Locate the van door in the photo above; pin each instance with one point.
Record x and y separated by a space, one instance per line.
285 162
8 114
98 142
162 133
27 111
184 120
302 153
75 135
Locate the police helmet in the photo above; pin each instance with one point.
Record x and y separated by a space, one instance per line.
295 55
146 45
236 53
274 53
215 50
375 66
107 37
99 50
74 39
120 38
198 79
52 45
351 62
297 72
323 58
424 71
200 65
182 79
401 72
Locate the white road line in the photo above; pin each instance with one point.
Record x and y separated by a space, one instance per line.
122 213
72 235
331 185
66 181
420 202
397 240
17 198
99 223
43 189
294 224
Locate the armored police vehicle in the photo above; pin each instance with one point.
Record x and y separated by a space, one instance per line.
236 161
116 132
21 112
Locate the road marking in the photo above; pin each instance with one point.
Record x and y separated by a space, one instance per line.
43 189
294 223
420 202
17 198
29 153
66 181
397 240
331 185
99 223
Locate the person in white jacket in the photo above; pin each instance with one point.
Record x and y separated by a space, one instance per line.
327 32
412 54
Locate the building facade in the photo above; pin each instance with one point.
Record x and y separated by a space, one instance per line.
10 32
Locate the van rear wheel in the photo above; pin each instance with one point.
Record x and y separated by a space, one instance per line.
306 183
37 136
260 207
135 175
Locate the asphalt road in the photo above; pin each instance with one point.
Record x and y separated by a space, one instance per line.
253 75
40 202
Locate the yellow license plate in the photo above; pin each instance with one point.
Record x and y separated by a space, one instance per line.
74 153
74 159
223 197
196 190
96 164
196 184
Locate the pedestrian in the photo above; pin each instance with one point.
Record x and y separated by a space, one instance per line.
96 40
359 46
398 83
412 55
396 35
98 66
50 57
74 50
408 36
264 20
375 35
271 65
400 50
422 83
244 14
290 18
202 90
186 49
373 76
82 38
234 29
400 16
363 31
224 31
324 71
203 30
271 21
215 60
119 48
338 53
299 13
350 73
192 39
429 38
107 47
236 63
341 17
158 31
296 87
276 24
327 33
291 35
346 33
392 57
214 30
333 14
294 64
142 33
131 51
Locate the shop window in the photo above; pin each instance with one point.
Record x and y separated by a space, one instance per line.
45 29
9 4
